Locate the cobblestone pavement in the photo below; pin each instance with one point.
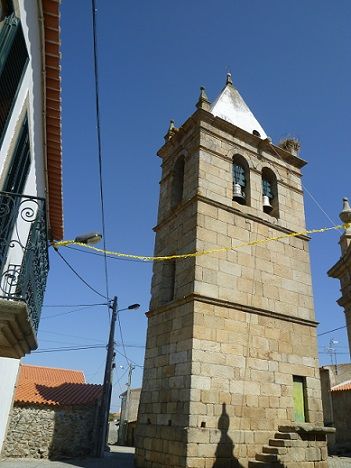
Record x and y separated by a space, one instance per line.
119 457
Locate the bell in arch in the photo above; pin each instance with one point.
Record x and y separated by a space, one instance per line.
238 194
267 207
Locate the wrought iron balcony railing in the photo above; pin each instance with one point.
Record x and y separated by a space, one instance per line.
24 258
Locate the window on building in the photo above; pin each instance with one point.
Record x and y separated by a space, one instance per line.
241 180
269 193
168 281
13 62
6 8
178 182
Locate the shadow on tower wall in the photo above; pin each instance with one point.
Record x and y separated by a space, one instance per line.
225 448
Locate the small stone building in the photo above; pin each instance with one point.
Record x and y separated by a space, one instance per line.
54 414
341 404
128 418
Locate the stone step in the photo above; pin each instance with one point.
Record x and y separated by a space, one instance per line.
277 450
267 457
281 443
286 435
261 464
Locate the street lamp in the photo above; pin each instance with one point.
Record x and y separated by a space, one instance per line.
107 385
89 239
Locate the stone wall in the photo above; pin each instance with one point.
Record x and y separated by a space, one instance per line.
50 432
342 409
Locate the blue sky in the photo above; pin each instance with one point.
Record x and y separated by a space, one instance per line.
291 63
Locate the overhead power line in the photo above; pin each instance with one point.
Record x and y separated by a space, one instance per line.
331 331
98 133
78 275
68 348
83 346
75 305
65 313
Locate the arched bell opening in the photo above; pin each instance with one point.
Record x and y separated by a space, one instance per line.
270 203
241 180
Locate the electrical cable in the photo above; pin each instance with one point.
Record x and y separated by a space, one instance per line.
303 186
64 313
331 331
71 348
69 336
122 340
75 305
98 130
84 346
78 275
131 360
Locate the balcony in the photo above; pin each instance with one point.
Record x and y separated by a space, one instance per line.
24 267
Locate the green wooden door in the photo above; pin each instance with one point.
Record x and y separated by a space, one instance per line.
299 400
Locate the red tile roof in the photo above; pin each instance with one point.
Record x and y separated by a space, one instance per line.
53 375
342 386
51 386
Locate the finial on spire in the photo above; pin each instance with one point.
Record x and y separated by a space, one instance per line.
229 79
203 102
345 215
172 130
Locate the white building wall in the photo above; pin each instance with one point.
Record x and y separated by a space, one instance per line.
30 100
8 372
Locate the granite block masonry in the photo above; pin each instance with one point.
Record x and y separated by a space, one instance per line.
231 351
50 432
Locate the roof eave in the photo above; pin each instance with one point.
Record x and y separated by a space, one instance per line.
52 115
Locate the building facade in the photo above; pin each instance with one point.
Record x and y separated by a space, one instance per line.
231 352
342 268
30 175
129 413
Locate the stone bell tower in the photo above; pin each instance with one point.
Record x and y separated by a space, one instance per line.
231 353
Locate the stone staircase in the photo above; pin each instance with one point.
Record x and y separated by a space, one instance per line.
288 450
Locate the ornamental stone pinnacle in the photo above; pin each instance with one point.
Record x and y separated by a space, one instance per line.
172 130
345 215
203 102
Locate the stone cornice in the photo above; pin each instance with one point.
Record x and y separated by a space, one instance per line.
220 124
259 155
345 301
231 209
230 305
337 270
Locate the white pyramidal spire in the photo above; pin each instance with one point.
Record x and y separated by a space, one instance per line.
230 106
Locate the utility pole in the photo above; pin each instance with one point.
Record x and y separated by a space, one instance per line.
107 385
